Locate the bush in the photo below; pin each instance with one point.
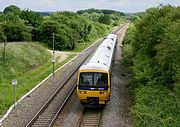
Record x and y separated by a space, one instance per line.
2 35
152 53
12 9
155 106
128 49
106 19
17 32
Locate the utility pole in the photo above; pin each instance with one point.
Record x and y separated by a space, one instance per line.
53 58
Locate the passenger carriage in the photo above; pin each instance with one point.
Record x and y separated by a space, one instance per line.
94 77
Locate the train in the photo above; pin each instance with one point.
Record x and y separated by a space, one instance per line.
94 77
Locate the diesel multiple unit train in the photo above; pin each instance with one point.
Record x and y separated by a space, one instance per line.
94 77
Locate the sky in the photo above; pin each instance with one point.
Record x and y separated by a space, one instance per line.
128 6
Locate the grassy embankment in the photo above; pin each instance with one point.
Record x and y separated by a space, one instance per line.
29 63
153 105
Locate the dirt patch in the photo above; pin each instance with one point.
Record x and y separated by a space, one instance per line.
62 55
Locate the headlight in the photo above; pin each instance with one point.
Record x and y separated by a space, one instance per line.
103 93
82 92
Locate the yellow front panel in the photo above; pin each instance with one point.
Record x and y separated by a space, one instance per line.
83 94
90 93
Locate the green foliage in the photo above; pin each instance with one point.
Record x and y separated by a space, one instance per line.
12 9
93 16
129 37
31 18
106 19
14 28
25 54
2 35
155 106
47 28
168 57
151 33
17 32
69 28
9 17
152 54
78 23
34 65
62 41
104 11
127 49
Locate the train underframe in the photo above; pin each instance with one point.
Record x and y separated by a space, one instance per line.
101 99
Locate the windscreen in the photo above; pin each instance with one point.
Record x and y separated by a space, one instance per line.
93 81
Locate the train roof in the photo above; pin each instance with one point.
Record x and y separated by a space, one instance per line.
101 60
94 66
111 36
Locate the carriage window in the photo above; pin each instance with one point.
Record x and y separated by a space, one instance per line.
86 79
93 80
101 79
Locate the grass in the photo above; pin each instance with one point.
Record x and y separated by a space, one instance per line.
26 82
29 63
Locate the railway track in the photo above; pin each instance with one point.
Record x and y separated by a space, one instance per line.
90 118
46 118
49 112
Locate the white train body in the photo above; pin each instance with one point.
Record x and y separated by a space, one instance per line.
94 77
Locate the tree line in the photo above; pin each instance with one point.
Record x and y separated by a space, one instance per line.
103 11
69 28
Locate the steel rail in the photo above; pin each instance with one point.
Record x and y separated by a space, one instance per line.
62 106
90 118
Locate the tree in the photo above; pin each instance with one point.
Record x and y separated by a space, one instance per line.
47 28
168 56
93 16
10 17
65 37
31 18
12 9
156 47
72 20
104 11
106 19
2 35
17 32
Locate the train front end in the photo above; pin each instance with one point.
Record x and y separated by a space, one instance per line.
93 85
